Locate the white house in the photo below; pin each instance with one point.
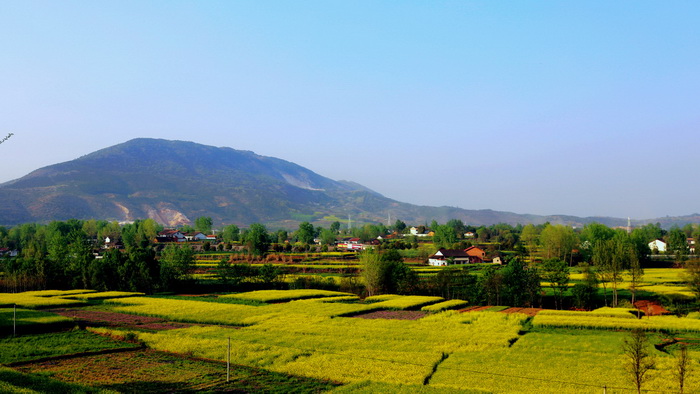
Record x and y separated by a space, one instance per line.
444 256
657 245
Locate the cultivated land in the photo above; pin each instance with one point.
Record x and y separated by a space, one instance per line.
317 341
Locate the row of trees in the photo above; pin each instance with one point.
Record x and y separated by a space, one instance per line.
515 284
62 255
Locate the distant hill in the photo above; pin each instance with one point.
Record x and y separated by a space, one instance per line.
175 182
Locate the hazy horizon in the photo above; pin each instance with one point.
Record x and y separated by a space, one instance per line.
583 109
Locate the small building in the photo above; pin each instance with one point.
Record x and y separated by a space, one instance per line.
476 252
351 244
170 236
657 246
691 245
416 231
445 257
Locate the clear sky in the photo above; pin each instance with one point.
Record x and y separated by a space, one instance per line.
571 107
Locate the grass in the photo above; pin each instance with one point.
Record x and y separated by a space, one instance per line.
29 319
31 347
12 381
146 371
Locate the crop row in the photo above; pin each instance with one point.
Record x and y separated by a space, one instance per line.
284 295
445 305
650 323
621 313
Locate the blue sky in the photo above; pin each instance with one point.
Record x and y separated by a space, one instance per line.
582 108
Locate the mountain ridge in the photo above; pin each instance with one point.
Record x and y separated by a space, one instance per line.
174 182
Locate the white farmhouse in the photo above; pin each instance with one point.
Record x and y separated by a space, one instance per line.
658 246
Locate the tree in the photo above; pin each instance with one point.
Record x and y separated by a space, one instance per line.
282 236
491 283
305 233
636 274
232 274
399 226
557 242
269 274
257 239
444 236
611 258
397 277
104 272
230 233
327 237
175 264
529 237
677 243
371 271
458 227
682 367
521 286
335 227
585 291
454 282
556 272
692 276
386 273
638 360
203 224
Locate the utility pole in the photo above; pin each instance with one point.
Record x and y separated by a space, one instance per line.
228 361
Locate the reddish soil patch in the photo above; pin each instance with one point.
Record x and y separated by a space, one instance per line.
475 309
527 311
119 319
395 315
651 308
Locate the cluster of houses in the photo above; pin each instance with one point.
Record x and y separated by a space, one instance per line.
356 244
659 246
178 236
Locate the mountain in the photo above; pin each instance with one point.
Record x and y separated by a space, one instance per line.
175 182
